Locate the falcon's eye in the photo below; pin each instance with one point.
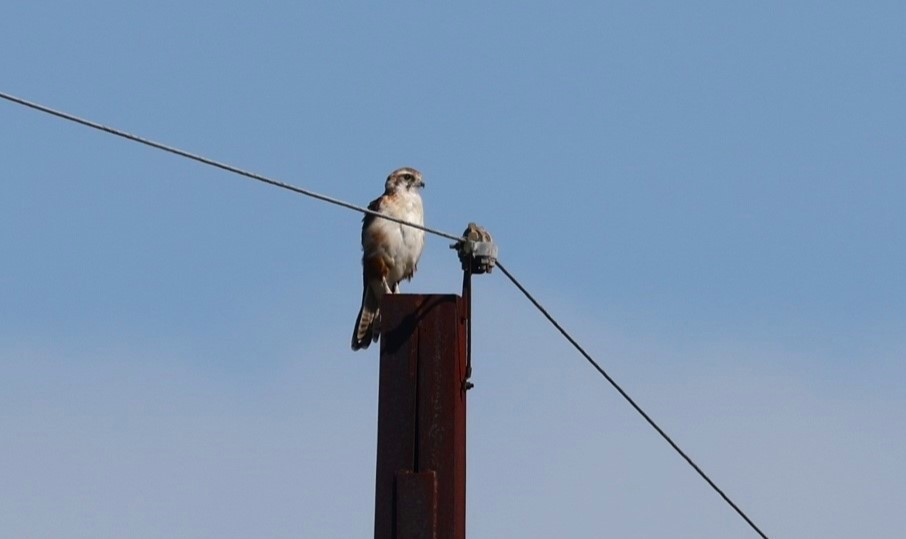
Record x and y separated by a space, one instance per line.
407 177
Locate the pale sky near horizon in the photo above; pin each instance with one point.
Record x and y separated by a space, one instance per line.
710 195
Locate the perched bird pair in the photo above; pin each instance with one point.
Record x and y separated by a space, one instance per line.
390 250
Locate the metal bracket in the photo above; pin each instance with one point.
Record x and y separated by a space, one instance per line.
477 254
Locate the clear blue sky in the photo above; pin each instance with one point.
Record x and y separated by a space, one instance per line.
710 195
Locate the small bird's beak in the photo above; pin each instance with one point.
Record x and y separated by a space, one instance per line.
421 183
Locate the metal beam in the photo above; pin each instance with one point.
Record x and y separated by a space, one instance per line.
421 418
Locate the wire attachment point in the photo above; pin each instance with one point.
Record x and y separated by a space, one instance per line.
478 254
477 250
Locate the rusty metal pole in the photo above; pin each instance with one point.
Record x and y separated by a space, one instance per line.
420 489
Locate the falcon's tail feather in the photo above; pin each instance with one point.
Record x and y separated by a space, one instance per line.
367 325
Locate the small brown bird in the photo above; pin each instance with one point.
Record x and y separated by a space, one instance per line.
390 251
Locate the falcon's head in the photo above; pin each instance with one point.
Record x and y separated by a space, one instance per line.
404 179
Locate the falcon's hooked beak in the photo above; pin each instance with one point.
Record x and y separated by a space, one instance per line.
421 183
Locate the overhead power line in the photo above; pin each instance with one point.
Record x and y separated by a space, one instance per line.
626 396
360 209
221 165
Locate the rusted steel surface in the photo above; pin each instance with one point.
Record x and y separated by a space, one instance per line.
396 405
416 507
442 407
422 409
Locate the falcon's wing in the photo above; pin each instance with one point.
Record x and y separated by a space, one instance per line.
374 205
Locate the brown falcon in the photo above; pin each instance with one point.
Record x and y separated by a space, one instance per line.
390 251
